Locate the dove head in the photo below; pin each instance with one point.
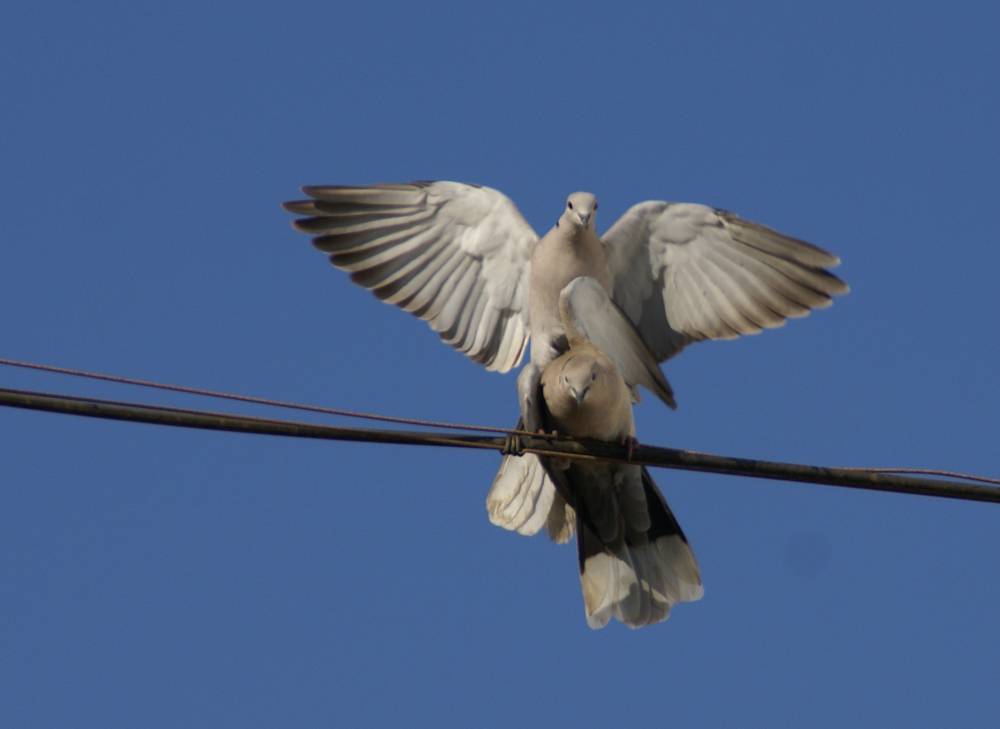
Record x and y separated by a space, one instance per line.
581 210
586 395
584 382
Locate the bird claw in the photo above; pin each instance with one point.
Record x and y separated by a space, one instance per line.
630 442
555 461
513 446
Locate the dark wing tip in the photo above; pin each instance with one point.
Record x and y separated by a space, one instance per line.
300 207
798 249
837 285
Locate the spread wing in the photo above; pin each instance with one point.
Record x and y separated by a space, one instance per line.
455 255
684 272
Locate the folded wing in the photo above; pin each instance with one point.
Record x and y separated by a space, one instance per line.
587 312
523 497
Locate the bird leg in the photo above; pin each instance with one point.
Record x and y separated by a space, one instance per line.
556 461
630 442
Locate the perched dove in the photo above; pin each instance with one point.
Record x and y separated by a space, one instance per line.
463 258
635 562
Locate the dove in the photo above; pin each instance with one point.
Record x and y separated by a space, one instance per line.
464 259
635 562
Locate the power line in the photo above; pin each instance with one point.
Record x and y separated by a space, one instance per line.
511 443
246 398
384 418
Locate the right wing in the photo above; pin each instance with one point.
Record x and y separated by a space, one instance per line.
455 255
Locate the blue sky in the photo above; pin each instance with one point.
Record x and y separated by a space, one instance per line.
160 577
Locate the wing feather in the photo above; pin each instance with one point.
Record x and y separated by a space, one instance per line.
454 255
712 274
587 312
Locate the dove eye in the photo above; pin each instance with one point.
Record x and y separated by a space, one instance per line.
595 206
569 205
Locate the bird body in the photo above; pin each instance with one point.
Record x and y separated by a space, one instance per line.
569 250
635 562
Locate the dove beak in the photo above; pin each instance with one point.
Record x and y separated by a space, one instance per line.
584 218
578 395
